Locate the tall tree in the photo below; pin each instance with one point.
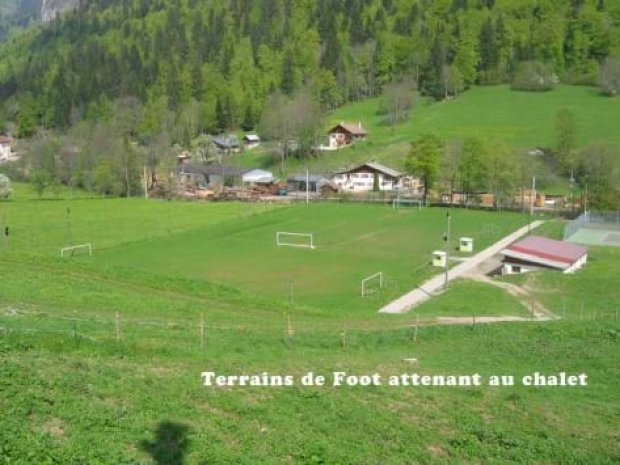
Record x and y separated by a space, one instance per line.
424 160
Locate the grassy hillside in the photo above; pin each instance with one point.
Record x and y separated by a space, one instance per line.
496 114
81 386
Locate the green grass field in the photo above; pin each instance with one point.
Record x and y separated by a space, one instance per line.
352 241
520 120
79 386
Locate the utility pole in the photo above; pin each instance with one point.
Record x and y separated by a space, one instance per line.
447 238
532 198
146 184
307 186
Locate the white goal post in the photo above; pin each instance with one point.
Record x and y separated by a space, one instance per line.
73 248
370 281
397 202
303 239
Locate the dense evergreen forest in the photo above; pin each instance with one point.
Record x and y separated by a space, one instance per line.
221 59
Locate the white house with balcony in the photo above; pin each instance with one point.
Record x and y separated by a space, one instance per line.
364 178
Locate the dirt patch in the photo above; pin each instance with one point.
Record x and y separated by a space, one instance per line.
54 426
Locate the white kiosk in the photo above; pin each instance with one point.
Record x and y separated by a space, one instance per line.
466 244
439 258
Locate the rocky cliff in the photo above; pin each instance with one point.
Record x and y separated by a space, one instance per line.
51 8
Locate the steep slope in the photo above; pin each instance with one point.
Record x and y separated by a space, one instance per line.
228 56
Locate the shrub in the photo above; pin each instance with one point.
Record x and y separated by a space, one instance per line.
5 187
534 76
609 78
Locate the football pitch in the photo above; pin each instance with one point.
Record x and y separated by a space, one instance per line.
352 241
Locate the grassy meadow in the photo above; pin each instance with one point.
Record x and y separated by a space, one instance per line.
515 119
202 287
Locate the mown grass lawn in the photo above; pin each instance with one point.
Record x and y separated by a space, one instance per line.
352 241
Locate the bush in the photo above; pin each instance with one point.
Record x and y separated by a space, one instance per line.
609 79
5 187
534 76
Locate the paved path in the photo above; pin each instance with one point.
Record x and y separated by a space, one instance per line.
427 289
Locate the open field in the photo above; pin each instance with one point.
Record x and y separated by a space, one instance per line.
76 387
352 241
521 120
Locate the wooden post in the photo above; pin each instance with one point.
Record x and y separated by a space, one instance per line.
202 330
564 310
581 312
417 325
289 327
343 339
118 328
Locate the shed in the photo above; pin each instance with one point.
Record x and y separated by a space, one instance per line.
536 252
251 141
258 176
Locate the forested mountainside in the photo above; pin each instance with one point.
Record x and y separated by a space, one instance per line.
18 14
225 57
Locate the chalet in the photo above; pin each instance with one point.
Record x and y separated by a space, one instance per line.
6 143
251 141
344 135
539 253
367 177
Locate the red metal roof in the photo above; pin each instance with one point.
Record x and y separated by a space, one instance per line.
549 249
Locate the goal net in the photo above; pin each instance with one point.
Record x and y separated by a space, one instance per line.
73 249
398 203
291 239
372 284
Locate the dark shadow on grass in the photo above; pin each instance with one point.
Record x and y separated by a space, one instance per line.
169 445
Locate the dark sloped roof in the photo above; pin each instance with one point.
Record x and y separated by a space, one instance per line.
352 128
226 142
375 167
302 178
213 170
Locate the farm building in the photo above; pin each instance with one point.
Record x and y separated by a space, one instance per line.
367 177
316 183
539 253
198 175
257 176
226 144
344 135
251 141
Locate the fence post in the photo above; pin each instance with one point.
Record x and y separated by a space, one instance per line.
118 328
581 312
564 310
289 326
202 330
417 325
343 339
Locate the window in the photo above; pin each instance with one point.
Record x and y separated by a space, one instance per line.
516 269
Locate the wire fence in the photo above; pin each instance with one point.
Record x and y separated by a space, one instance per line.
593 220
196 334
